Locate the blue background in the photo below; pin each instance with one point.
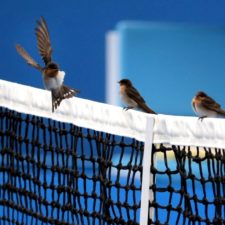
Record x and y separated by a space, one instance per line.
170 62
77 29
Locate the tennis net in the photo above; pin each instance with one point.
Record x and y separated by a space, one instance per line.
92 163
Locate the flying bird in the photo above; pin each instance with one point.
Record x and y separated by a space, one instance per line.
53 78
204 106
131 97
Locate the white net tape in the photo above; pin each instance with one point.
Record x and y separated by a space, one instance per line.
178 130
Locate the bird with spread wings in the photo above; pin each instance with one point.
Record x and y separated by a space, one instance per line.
53 78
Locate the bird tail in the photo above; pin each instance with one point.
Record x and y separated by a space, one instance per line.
62 93
221 112
146 109
67 92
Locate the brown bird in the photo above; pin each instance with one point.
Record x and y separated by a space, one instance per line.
204 106
131 97
52 76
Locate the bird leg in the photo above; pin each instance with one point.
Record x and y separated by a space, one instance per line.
128 107
53 104
201 117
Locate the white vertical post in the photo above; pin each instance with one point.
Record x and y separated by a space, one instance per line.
112 67
147 179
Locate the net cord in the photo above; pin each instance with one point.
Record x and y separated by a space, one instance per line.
173 130
147 181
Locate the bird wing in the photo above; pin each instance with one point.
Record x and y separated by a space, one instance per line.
210 104
27 57
134 95
43 40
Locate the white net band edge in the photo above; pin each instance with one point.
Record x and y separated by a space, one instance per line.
174 130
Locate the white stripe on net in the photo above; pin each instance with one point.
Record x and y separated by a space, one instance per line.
178 130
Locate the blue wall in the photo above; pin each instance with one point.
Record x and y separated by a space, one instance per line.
77 29
170 62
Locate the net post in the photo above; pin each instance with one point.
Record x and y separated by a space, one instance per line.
147 194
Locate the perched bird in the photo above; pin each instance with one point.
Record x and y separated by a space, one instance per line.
52 77
205 106
131 97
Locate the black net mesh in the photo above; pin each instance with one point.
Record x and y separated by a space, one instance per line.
189 185
57 173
